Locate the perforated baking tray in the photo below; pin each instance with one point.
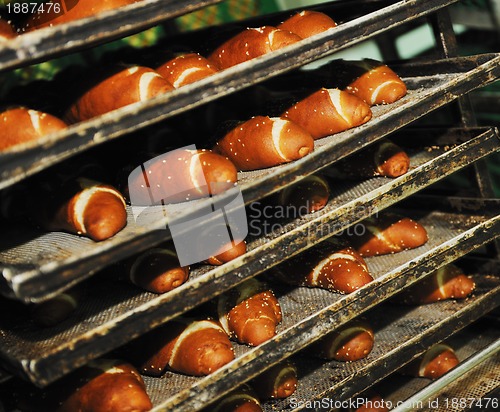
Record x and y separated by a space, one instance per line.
44 43
112 315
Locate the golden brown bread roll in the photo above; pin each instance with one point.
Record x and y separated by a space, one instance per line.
107 386
237 249
265 142
57 309
383 158
125 86
251 43
249 313
85 208
328 111
307 23
379 84
242 399
157 270
433 364
308 195
389 234
20 125
192 347
350 342
185 69
326 266
448 282
6 30
181 175
64 11
278 382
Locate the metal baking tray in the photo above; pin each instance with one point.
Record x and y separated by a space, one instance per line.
111 315
400 335
46 263
472 384
44 43
18 163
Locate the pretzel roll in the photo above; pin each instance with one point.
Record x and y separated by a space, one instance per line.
242 399
157 270
249 313
64 11
85 208
278 382
20 125
309 195
6 31
265 142
56 310
106 386
350 342
237 249
328 111
389 234
448 282
307 23
251 43
192 347
181 175
327 267
126 86
378 84
433 364
186 69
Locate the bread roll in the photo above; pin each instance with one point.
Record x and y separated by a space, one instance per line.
107 386
448 282
249 313
309 195
278 382
21 125
389 234
64 11
251 43
157 270
328 111
57 309
265 142
307 23
192 347
237 249
350 342
185 69
242 399
179 176
325 266
122 88
6 31
438 360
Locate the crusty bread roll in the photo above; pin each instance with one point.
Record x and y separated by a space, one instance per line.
309 195
83 207
107 386
20 125
389 234
241 399
265 142
192 347
350 342
125 86
383 158
328 111
179 176
57 309
157 270
185 69
6 31
249 313
278 382
237 249
433 364
64 11
326 266
448 282
307 23
250 43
